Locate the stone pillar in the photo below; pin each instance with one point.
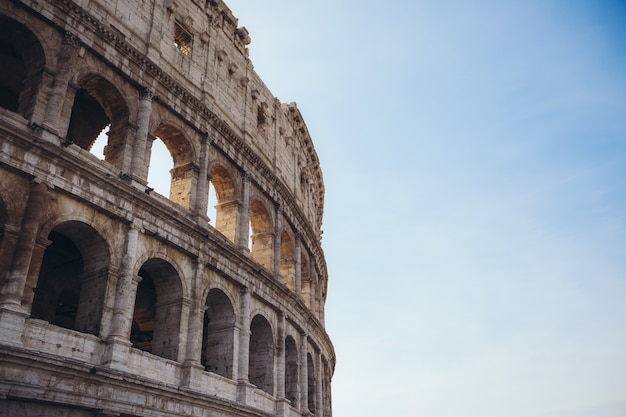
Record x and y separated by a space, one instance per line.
192 369
138 164
244 388
16 277
118 346
61 80
297 254
118 340
12 313
125 290
319 393
304 375
202 195
280 352
312 286
244 336
243 219
276 255
196 317
282 404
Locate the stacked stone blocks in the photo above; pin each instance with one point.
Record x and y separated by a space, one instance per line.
115 300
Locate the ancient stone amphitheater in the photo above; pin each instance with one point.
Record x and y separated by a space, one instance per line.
116 300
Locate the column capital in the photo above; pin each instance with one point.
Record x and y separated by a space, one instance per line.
147 94
70 39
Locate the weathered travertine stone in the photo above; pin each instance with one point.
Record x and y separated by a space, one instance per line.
116 300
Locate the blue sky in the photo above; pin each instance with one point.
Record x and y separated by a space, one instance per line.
474 155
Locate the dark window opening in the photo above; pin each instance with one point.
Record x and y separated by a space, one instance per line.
218 334
182 39
12 75
87 121
58 288
21 67
261 358
261 120
158 306
72 279
142 331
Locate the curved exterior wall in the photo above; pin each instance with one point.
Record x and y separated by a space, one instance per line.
114 299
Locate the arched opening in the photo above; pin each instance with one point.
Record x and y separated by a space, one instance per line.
99 113
305 279
261 234
287 264
161 164
72 279
261 358
218 334
310 383
158 309
183 172
22 60
226 206
291 370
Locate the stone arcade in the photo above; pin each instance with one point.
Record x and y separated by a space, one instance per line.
116 300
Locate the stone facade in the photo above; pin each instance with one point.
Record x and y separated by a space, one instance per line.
114 299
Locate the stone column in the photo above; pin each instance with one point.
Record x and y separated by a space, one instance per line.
244 337
192 369
12 313
319 393
61 80
304 375
18 273
312 280
244 388
125 290
196 317
297 254
202 195
276 255
118 340
118 345
280 351
138 162
282 404
243 219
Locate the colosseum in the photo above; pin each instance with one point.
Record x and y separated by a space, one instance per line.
120 300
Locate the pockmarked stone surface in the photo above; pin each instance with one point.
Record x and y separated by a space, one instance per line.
116 300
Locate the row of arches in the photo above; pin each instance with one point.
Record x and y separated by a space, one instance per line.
72 290
81 104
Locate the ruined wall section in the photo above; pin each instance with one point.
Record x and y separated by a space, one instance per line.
99 271
200 45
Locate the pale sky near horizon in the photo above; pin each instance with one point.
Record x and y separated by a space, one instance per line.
474 155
